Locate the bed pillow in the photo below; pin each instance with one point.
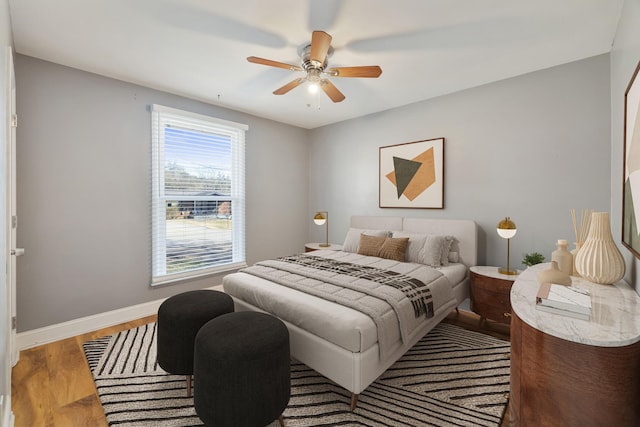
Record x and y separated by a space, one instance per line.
394 248
383 247
446 248
440 250
370 245
433 246
353 238
454 252
415 246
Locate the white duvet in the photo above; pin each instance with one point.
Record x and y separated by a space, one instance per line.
345 326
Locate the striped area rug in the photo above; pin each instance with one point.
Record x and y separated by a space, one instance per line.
452 377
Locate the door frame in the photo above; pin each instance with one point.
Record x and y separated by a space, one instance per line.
7 207
12 223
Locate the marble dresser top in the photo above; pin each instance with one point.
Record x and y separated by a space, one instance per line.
615 315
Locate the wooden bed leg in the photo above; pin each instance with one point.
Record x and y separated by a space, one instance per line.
281 420
188 385
354 401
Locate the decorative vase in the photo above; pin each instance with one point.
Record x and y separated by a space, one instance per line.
563 257
574 253
554 275
599 260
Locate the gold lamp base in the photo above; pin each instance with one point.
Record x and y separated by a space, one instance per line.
322 218
507 271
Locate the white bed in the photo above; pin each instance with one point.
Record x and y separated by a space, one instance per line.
340 342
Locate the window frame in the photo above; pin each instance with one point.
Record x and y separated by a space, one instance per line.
162 116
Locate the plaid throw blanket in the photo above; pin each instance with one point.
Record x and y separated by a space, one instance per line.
416 291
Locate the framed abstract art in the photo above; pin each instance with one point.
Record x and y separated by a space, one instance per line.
412 175
631 166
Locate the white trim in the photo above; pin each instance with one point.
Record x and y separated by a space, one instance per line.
197 274
6 416
48 334
175 111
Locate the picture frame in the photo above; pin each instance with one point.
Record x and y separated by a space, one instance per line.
631 166
411 175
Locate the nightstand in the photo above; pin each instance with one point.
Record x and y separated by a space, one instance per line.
490 293
310 247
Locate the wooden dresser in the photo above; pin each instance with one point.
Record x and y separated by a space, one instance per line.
572 372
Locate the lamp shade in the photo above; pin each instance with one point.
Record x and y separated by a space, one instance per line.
320 218
507 228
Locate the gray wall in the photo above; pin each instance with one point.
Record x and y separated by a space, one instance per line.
531 147
624 59
84 192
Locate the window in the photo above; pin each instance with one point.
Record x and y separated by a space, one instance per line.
198 195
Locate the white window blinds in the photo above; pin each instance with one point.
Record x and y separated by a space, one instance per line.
198 195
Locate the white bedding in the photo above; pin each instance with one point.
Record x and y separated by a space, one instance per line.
340 342
343 326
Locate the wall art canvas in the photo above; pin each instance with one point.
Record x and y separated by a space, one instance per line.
412 175
631 166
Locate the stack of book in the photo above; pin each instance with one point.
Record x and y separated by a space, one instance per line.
565 300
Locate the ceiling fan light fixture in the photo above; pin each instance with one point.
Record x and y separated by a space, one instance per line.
314 62
313 77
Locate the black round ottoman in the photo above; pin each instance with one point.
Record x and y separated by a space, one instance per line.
180 317
242 370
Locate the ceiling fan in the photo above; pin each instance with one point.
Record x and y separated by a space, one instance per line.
314 62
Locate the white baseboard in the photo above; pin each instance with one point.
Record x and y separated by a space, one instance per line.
83 325
48 334
6 416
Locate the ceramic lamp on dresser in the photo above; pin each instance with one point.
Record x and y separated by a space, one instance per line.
573 372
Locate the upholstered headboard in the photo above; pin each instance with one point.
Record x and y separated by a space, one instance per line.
465 231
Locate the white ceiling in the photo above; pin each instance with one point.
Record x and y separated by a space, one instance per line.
426 48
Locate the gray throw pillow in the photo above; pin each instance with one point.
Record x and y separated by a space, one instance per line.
433 250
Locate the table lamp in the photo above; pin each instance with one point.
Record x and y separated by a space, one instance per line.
322 218
507 229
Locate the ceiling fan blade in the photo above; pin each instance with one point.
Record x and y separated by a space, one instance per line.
331 91
291 85
320 43
371 71
256 60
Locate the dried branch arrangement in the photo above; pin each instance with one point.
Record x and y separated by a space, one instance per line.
585 222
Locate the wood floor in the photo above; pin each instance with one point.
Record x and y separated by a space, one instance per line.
52 385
